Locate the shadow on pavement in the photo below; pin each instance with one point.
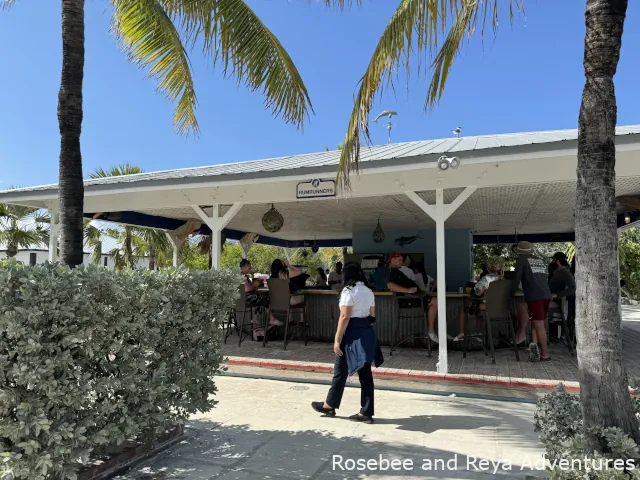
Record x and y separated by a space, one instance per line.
219 451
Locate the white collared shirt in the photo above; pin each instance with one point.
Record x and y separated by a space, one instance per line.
359 297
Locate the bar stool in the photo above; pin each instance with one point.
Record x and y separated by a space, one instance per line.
557 316
497 311
280 307
406 306
243 310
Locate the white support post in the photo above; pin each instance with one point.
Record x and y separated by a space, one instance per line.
54 231
217 223
176 243
443 362
439 213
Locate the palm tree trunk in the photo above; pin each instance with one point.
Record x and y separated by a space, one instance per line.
603 378
71 188
128 248
152 257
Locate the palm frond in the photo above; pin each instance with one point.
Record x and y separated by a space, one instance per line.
116 171
234 36
431 28
6 4
151 39
93 241
118 258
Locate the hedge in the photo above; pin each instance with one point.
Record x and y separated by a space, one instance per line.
558 420
91 358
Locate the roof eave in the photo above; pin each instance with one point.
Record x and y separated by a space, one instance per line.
49 192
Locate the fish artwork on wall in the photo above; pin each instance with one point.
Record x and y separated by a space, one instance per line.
404 241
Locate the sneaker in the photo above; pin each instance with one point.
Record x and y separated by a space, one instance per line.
534 352
459 337
433 337
276 322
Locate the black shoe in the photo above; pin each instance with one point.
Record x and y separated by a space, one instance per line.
320 408
545 359
358 417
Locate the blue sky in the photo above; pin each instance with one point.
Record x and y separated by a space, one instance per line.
529 78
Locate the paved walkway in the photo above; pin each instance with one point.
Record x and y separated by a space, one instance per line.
414 362
264 429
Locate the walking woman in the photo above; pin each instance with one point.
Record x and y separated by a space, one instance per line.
356 346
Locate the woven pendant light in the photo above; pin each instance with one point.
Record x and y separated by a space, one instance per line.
378 234
272 221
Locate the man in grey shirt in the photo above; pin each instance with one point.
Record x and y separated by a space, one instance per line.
531 271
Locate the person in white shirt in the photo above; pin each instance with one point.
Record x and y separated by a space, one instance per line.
335 279
356 346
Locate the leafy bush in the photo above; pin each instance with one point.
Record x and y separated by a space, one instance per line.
558 418
91 357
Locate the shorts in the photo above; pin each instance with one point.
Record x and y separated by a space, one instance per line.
538 309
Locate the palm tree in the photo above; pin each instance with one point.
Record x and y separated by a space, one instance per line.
204 244
93 240
22 227
137 242
437 29
156 35
151 243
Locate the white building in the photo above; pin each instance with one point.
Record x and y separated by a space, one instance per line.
39 254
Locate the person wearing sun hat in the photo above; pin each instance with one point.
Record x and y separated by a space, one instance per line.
532 273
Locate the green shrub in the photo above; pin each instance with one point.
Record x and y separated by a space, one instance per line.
558 418
91 357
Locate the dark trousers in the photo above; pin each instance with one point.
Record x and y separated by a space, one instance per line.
340 374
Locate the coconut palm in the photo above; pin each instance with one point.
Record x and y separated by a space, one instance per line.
22 227
204 244
157 35
93 241
436 29
152 244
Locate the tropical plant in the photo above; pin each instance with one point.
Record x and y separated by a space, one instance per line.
93 241
157 35
436 29
136 242
96 358
22 227
152 244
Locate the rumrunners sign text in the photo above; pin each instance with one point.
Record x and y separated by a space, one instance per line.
316 188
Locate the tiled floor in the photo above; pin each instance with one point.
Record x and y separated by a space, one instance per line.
563 367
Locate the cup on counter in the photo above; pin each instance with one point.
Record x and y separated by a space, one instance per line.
461 290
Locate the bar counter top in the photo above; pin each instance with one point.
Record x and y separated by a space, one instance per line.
311 291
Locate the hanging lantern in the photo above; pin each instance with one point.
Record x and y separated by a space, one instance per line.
272 221
305 254
378 234
315 249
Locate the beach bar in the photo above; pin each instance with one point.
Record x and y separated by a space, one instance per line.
506 187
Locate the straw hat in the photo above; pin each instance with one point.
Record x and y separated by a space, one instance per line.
523 248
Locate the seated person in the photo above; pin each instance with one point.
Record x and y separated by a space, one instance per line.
405 268
250 285
483 272
285 271
335 278
321 278
479 303
399 283
562 284
252 297
379 277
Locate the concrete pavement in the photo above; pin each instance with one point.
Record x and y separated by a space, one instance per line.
266 429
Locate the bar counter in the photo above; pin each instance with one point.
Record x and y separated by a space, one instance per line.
322 315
